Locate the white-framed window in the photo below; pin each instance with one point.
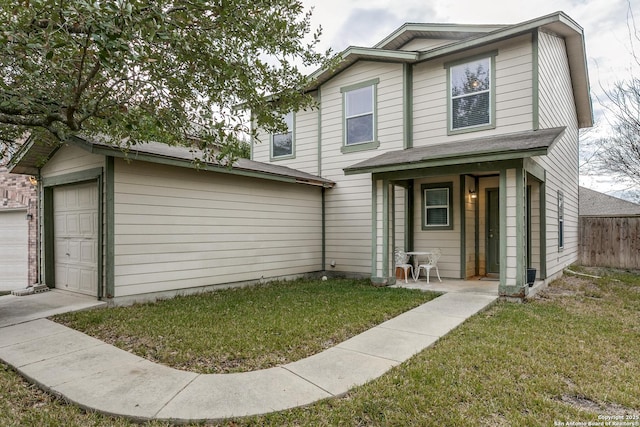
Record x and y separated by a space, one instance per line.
437 204
282 144
359 116
560 220
471 94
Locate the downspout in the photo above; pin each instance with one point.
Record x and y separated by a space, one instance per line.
324 232
477 225
39 233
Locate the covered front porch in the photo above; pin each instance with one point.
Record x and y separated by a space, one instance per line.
472 285
483 208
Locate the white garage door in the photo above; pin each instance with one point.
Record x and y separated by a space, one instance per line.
14 250
75 210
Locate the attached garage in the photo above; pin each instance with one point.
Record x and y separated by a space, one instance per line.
14 249
152 223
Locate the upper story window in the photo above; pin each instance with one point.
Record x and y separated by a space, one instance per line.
471 94
360 116
282 144
437 203
560 220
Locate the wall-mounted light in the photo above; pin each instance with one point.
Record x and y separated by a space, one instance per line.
473 194
33 180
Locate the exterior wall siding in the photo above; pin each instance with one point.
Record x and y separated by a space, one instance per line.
177 228
16 191
511 229
305 144
448 241
424 44
69 159
513 93
348 205
557 108
470 227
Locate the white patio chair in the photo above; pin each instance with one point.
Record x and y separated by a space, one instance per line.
430 262
401 259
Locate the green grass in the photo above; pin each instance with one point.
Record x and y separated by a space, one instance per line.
567 356
246 329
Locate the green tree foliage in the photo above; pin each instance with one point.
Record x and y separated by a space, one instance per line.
161 70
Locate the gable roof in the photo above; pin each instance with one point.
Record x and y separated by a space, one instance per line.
498 147
33 156
472 36
595 203
411 30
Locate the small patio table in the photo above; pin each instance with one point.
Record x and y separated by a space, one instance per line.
416 263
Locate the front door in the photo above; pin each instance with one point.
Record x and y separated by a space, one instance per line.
493 231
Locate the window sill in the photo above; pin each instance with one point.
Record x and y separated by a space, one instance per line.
287 157
365 146
437 228
471 129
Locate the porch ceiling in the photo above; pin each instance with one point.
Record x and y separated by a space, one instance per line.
500 147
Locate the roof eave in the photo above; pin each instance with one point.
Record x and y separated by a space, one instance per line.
21 164
353 54
450 160
408 27
134 154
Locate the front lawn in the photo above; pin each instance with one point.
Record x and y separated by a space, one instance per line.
570 356
245 329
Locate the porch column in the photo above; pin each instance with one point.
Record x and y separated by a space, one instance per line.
381 233
512 231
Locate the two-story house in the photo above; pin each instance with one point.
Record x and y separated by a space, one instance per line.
461 137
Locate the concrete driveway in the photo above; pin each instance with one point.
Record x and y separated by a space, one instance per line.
20 309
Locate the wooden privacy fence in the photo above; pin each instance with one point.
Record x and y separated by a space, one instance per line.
609 241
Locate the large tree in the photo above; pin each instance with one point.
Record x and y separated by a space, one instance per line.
161 70
619 153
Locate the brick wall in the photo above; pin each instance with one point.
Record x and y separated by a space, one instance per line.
16 191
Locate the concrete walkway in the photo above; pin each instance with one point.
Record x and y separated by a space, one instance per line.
103 378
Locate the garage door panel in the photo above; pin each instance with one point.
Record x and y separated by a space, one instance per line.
76 237
72 224
87 253
14 250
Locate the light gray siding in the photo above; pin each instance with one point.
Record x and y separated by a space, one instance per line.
425 44
305 156
177 228
470 227
348 205
447 240
70 159
513 92
557 108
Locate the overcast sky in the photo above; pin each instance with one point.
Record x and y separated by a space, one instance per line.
605 23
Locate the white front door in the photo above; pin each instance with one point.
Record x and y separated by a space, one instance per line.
14 250
75 210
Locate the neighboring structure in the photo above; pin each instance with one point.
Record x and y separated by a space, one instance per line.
18 231
609 231
594 203
462 137
459 137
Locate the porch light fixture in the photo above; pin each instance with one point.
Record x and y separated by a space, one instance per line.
473 194
33 180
